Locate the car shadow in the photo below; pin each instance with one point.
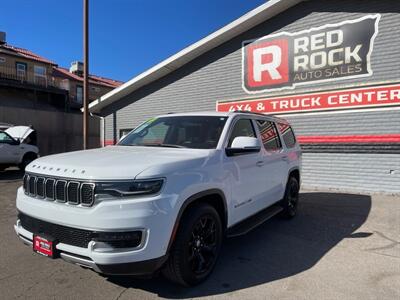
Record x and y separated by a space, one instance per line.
11 174
275 250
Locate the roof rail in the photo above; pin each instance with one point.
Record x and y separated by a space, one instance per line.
250 112
259 114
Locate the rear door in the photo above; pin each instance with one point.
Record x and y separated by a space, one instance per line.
275 163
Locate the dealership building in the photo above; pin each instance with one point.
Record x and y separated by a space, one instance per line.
330 67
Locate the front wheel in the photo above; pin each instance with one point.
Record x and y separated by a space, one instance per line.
196 246
291 198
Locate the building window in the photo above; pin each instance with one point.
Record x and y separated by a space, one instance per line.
79 94
21 70
124 132
39 71
39 75
95 89
2 59
269 135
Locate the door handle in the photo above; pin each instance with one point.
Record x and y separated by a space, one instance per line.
260 163
285 158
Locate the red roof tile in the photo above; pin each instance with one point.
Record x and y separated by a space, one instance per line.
63 72
28 54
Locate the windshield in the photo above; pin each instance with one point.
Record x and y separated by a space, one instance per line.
198 132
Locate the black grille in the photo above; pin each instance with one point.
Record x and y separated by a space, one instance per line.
63 234
31 184
87 194
26 183
60 190
73 192
50 188
40 187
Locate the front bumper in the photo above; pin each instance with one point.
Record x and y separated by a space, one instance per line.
154 216
140 268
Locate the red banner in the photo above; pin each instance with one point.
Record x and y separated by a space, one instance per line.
377 96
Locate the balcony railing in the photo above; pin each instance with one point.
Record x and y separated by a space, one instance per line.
27 78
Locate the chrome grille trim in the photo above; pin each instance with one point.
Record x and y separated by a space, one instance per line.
43 180
32 191
72 192
26 184
64 198
77 192
92 186
52 198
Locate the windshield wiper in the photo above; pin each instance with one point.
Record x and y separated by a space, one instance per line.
163 145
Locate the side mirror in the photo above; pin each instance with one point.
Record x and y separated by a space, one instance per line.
243 145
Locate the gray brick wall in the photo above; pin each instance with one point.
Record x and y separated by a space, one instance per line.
216 75
352 172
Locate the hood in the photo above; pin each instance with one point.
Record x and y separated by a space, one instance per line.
19 132
113 162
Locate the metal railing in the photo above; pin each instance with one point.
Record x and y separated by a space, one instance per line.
27 77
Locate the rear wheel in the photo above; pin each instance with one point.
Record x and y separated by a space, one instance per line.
196 246
291 199
28 158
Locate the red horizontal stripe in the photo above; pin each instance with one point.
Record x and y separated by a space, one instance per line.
383 138
108 142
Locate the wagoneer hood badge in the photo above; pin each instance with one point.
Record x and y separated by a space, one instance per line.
114 162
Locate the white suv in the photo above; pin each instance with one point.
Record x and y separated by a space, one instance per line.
164 197
17 147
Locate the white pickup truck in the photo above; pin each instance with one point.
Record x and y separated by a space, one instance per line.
17 147
164 197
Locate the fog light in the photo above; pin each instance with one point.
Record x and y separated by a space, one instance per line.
127 239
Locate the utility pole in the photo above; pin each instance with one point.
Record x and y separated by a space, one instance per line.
85 72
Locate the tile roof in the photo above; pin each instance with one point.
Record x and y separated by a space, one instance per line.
63 72
28 54
59 71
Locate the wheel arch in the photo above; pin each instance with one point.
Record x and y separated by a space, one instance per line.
27 154
214 197
295 172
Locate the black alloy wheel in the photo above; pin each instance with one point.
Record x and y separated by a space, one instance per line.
202 245
291 199
196 247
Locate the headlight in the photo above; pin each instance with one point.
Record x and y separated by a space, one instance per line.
129 188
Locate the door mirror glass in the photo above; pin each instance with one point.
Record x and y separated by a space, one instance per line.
243 145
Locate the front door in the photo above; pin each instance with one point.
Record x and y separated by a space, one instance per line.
246 189
9 150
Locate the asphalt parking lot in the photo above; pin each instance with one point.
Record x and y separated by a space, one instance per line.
340 246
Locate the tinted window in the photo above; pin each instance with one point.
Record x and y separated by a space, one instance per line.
199 132
5 138
269 135
287 135
243 127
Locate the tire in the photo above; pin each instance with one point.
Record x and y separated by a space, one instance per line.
196 247
26 160
291 199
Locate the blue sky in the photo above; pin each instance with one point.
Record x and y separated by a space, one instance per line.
126 36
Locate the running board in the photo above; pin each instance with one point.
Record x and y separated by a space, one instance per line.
252 222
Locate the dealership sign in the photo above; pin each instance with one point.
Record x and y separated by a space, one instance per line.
369 97
327 53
